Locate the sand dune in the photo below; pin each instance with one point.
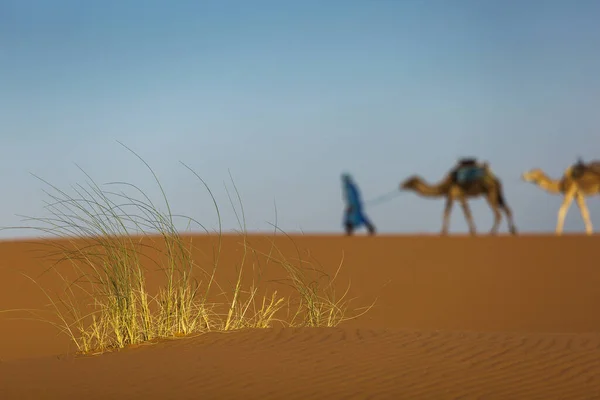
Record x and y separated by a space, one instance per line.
334 363
455 318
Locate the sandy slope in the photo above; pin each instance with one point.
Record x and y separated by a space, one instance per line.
456 317
339 363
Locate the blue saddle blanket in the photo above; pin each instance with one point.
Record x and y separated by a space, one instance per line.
469 174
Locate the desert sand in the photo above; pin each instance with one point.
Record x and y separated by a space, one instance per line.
455 317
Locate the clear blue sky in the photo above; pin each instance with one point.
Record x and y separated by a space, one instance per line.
288 94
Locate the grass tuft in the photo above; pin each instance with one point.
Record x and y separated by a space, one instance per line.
110 236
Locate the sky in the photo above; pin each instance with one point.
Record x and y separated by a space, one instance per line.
285 96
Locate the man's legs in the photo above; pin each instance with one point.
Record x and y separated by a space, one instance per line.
369 225
364 220
349 228
354 221
348 220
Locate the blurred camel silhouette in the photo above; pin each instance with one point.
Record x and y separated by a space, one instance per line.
468 179
578 181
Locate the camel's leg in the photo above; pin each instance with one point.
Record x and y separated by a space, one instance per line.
492 199
500 201
447 211
468 216
562 212
585 214
504 207
511 224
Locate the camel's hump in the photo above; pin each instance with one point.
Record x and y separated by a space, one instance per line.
583 170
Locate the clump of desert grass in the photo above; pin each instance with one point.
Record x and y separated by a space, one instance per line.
109 238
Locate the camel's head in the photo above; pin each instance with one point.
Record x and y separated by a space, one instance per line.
410 183
535 175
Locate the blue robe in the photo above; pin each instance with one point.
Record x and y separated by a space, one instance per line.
355 217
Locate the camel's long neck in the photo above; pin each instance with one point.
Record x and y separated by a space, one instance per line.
550 185
427 190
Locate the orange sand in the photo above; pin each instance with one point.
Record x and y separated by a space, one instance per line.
455 317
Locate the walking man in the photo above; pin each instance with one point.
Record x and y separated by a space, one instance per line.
354 217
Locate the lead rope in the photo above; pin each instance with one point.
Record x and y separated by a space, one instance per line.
384 198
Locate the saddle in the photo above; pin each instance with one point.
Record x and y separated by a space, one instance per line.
463 162
468 170
580 168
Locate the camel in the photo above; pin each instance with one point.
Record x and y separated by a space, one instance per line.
481 183
578 181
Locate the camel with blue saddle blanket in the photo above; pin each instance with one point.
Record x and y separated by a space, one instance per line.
468 179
